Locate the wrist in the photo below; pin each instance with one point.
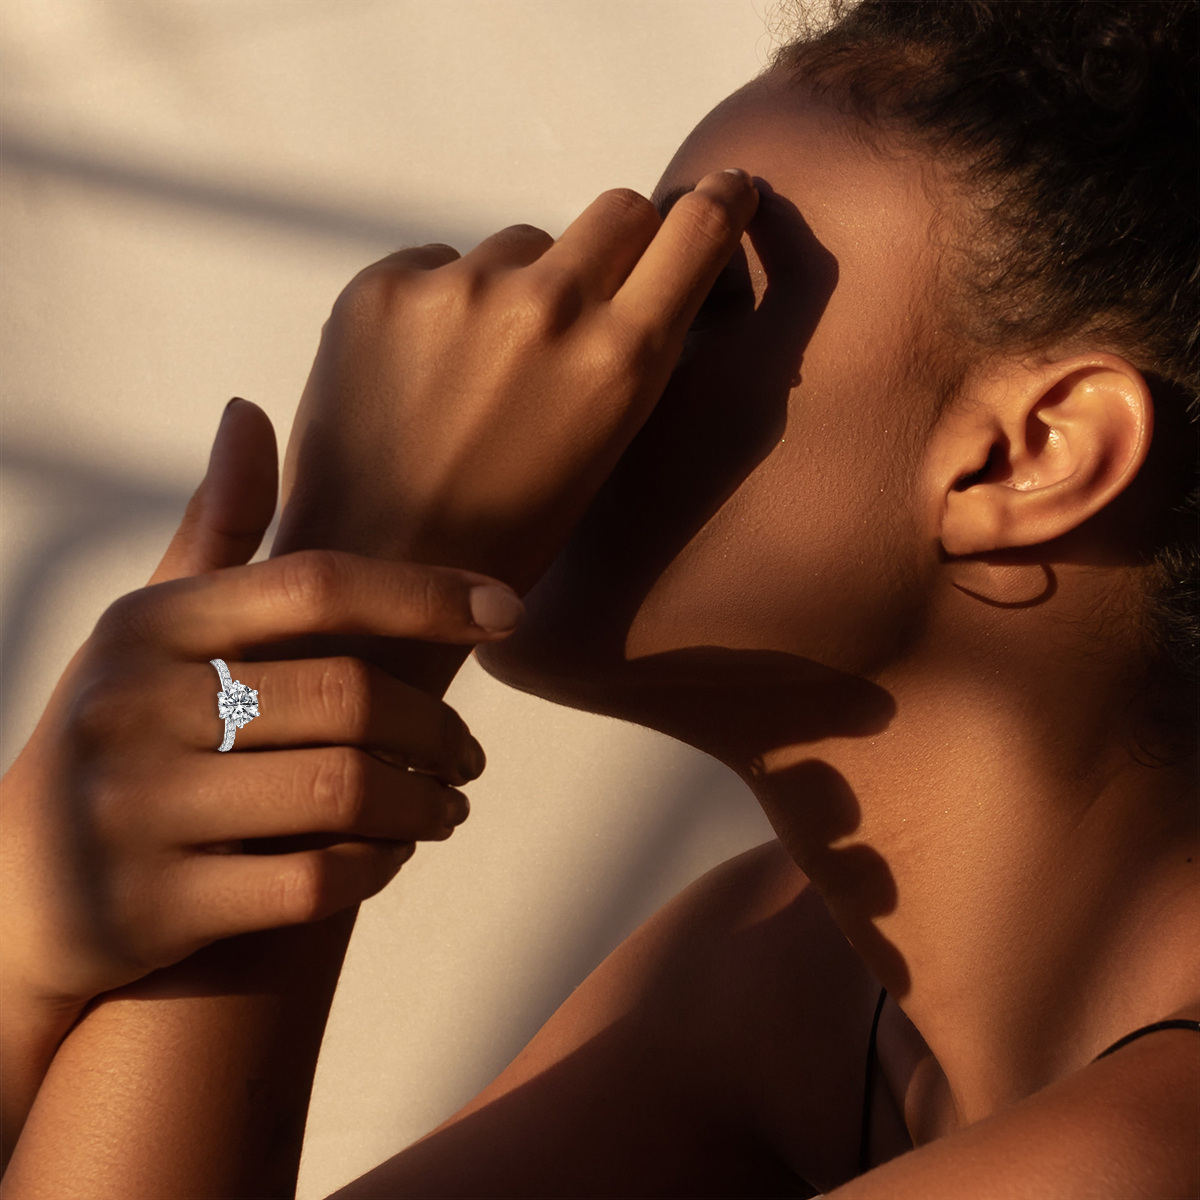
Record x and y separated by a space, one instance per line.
32 1027
28 1017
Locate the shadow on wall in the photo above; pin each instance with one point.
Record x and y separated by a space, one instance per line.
698 815
92 506
318 219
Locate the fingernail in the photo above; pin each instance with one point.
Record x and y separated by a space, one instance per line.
226 409
471 760
495 609
738 172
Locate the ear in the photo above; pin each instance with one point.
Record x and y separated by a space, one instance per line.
1038 449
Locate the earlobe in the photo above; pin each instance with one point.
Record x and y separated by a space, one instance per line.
1041 449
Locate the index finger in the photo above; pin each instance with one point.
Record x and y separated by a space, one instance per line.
228 611
667 286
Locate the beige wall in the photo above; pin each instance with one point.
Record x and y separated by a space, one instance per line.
186 186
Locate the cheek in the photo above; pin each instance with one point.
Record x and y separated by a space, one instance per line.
819 552
769 504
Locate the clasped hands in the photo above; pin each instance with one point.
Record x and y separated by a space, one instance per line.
461 414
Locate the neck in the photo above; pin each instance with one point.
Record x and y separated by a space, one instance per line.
1022 886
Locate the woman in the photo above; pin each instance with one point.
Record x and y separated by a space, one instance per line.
893 525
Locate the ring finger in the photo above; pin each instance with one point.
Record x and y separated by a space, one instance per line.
332 701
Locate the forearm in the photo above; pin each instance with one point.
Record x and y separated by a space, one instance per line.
192 1082
196 1080
30 1033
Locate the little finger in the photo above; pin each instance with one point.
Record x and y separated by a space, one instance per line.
417 258
604 243
516 246
225 895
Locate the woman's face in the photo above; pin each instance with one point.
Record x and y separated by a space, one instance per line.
772 505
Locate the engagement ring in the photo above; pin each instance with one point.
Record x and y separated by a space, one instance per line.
237 705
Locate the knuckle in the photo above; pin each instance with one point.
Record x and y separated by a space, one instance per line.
374 292
339 787
632 347
370 293
109 808
90 714
99 712
310 581
301 890
621 357
426 599
703 219
344 695
614 358
558 300
125 618
627 205
535 315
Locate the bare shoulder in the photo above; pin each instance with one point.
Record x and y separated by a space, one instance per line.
700 1058
1122 1128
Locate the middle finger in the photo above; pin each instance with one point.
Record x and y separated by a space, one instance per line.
331 790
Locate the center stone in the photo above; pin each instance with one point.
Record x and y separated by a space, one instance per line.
238 704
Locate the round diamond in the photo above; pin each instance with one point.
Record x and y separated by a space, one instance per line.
238 704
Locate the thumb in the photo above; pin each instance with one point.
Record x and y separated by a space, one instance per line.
229 512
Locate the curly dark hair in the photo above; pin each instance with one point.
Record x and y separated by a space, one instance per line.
1076 122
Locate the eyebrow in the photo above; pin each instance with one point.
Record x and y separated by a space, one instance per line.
668 200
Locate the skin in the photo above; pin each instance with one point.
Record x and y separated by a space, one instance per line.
124 834
599 317
811 594
885 618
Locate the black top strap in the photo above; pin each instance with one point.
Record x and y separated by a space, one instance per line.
864 1143
1178 1023
864 1140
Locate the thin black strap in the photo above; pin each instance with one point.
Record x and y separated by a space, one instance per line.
1178 1023
864 1141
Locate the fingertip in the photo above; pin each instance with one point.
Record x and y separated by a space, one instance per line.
735 189
458 808
471 760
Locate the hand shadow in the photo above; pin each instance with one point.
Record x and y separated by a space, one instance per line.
721 414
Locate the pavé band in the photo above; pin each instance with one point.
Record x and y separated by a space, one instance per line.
237 705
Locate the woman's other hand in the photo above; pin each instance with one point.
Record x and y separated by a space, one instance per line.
466 410
124 831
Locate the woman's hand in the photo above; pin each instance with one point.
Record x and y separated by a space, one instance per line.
124 830
466 410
